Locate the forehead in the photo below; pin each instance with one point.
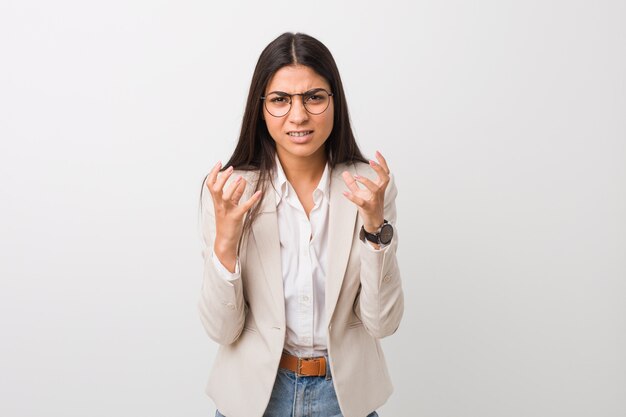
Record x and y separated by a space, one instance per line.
296 79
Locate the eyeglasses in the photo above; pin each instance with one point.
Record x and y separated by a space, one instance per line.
278 103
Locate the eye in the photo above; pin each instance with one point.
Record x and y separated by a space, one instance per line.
278 100
317 96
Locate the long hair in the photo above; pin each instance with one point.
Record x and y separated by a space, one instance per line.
256 149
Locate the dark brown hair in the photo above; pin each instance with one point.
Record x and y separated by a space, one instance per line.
256 149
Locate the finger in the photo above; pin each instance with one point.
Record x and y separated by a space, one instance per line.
213 176
350 182
248 204
229 191
238 192
221 180
382 161
382 174
356 200
369 184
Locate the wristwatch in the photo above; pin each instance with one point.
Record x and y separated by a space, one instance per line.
382 236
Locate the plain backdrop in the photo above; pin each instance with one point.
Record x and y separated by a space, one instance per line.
504 123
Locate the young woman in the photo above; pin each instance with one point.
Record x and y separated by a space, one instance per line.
300 275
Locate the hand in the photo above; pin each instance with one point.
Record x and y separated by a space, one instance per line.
371 199
229 213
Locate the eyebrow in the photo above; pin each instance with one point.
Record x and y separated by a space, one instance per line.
290 94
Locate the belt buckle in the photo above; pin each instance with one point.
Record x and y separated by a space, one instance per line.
299 366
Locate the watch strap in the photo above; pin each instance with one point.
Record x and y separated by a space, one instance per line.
373 237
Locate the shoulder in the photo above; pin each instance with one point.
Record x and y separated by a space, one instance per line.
355 167
365 170
251 176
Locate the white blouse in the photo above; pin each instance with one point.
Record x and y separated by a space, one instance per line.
304 260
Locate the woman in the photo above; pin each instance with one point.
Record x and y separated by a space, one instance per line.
300 275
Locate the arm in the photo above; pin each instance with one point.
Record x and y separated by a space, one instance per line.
221 301
380 302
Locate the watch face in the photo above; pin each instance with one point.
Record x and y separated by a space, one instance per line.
386 233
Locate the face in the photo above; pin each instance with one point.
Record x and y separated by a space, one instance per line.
299 134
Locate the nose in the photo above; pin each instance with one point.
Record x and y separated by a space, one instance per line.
298 113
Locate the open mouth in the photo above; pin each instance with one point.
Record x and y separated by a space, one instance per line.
300 133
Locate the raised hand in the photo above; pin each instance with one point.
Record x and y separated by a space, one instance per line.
371 199
229 213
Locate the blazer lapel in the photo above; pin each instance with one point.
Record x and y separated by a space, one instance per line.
341 223
265 232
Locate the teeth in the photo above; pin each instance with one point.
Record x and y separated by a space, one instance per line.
299 133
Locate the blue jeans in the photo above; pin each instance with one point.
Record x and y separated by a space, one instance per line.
303 396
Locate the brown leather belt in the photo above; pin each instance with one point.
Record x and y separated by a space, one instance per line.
304 366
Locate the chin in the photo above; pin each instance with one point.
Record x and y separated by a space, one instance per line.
304 150
303 153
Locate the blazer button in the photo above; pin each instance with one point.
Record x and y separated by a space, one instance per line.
231 306
387 278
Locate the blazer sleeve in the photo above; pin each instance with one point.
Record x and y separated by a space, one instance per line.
222 307
380 302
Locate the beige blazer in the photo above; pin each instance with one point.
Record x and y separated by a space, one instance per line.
364 303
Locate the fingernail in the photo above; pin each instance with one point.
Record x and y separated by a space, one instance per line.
357 177
372 162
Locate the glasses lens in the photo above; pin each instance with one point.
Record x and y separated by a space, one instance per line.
316 101
277 105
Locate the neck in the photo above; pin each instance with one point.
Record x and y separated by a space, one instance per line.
303 170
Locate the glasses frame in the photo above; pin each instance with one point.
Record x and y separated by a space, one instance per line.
303 96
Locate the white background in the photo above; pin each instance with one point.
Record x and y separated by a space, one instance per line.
504 123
